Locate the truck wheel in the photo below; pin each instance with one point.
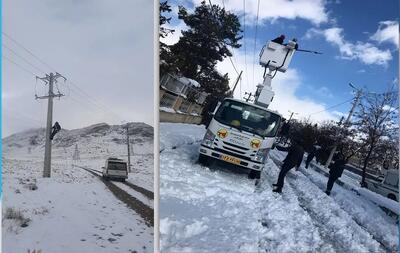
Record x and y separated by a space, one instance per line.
392 197
203 160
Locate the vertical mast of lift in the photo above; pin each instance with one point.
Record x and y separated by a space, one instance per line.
274 57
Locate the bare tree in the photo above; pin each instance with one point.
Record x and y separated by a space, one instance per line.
375 120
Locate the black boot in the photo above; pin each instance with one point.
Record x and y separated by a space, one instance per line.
328 192
274 184
278 190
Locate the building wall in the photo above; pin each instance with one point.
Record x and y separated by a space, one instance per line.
179 118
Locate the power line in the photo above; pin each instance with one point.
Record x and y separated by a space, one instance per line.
255 38
24 59
244 44
94 101
19 66
27 50
333 106
230 59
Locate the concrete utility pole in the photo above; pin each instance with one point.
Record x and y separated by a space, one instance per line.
291 115
237 81
129 150
346 123
50 80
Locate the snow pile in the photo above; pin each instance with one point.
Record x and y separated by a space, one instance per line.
178 134
352 182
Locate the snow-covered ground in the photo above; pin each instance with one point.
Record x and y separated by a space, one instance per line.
212 210
74 211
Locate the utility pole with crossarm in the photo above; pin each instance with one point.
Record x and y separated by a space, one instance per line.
49 79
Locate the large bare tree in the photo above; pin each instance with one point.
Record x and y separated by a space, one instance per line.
375 120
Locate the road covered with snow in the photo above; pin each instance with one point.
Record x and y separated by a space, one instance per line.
217 210
74 210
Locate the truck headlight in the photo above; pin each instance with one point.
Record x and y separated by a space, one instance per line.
208 138
262 154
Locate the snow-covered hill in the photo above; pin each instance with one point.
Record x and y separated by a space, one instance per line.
74 211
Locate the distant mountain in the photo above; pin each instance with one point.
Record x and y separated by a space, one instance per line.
98 134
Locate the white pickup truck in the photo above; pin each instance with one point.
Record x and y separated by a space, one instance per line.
389 187
115 169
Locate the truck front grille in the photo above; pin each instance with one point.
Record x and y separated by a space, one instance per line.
235 146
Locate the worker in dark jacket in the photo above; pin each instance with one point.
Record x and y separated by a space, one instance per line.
336 170
279 39
55 129
293 159
311 155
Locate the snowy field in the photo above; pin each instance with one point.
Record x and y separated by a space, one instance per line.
212 210
73 211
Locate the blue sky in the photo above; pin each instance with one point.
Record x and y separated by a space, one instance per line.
359 41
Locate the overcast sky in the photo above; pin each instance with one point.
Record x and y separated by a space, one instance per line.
104 47
359 40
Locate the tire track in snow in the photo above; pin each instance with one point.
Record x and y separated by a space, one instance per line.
285 218
355 209
335 223
137 206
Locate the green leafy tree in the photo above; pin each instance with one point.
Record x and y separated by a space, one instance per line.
165 52
211 32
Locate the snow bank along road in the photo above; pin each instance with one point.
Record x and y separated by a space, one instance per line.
137 202
212 210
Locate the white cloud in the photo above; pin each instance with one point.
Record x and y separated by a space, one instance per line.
367 53
104 47
173 38
388 31
324 92
312 10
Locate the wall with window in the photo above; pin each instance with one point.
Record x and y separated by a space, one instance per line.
180 102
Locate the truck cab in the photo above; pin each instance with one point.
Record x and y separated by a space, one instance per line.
389 187
115 169
240 133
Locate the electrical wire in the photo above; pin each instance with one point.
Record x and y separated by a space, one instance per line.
27 50
23 58
333 106
255 39
19 66
88 97
244 44
230 58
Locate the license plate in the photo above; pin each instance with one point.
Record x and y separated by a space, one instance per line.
230 159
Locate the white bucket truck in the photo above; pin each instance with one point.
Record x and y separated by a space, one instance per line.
243 133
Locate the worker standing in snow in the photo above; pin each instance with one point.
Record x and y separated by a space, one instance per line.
336 170
293 159
311 155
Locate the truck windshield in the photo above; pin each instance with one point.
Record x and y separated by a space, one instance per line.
248 118
116 166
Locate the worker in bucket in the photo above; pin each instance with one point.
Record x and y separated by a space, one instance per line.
336 170
293 159
279 39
